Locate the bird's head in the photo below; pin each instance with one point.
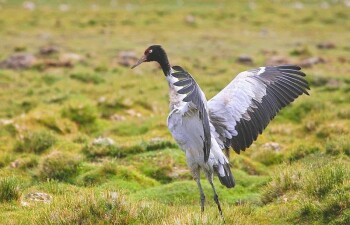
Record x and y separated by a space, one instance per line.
152 53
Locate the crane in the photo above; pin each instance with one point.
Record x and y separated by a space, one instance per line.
231 119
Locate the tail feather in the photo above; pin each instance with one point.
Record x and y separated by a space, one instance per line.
228 180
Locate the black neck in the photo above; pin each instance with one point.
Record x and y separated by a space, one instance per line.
164 62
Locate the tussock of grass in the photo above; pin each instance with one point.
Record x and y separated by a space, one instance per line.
9 189
26 162
58 166
111 106
301 151
88 208
97 151
322 186
247 165
36 142
267 157
130 129
99 175
87 78
82 114
58 125
338 145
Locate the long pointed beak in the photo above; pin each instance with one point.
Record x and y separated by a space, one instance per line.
141 60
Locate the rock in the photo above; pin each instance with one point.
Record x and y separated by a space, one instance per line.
15 163
29 5
18 61
298 5
278 60
342 59
190 19
127 58
116 117
347 3
64 7
245 59
71 58
56 63
48 50
309 62
326 45
272 146
102 99
35 197
133 113
333 83
6 121
268 52
104 141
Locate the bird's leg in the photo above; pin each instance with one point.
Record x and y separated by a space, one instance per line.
202 196
196 176
216 197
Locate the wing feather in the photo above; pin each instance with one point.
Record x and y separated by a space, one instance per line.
195 95
243 109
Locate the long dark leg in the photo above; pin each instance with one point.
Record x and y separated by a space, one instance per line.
202 196
195 170
216 197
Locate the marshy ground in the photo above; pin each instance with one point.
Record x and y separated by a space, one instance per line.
83 139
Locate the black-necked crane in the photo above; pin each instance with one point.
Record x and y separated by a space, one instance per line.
233 118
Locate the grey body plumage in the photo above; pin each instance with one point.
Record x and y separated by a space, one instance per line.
233 118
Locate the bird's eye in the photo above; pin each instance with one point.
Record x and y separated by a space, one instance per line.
150 51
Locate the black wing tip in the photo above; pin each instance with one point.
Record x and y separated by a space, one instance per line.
228 180
289 66
178 68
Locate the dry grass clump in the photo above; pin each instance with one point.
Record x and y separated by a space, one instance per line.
59 166
36 142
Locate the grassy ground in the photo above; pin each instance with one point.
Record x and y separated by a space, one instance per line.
51 112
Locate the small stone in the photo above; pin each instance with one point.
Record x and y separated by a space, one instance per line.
64 7
190 19
49 50
298 5
245 59
15 163
333 83
71 58
18 61
127 58
133 113
103 141
102 99
309 62
326 45
57 63
34 197
272 146
278 60
29 6
6 121
117 117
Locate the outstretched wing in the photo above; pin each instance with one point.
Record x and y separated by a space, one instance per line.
242 110
195 95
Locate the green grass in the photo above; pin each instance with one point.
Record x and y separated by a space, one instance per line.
51 113
9 189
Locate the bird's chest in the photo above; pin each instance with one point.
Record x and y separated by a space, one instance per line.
186 128
175 125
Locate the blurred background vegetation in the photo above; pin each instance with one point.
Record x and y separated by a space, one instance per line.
83 139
